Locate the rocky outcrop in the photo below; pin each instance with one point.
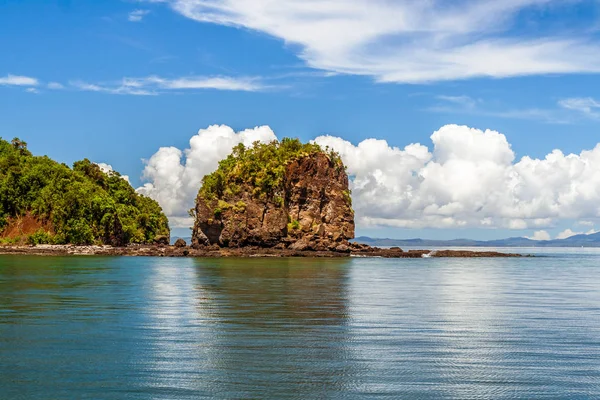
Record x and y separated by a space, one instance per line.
309 209
217 252
180 243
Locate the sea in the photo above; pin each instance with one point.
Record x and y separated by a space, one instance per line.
301 328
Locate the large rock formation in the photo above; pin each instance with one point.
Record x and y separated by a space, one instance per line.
283 195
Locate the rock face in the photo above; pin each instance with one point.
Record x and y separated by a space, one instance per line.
310 209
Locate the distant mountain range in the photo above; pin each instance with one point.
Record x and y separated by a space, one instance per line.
592 240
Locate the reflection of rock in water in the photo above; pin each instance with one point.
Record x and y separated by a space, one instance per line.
281 325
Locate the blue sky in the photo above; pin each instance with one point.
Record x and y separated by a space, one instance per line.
114 81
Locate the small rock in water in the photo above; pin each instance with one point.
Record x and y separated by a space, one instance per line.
180 243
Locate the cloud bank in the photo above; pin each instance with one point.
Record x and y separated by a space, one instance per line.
469 178
174 176
418 41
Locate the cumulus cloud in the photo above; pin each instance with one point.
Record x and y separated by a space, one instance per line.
108 169
18 80
415 41
540 235
469 178
174 176
567 233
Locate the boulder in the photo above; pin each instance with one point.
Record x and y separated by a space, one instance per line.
161 240
342 248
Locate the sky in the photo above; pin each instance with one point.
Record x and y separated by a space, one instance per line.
473 119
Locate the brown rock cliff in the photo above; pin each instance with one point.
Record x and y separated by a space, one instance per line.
309 209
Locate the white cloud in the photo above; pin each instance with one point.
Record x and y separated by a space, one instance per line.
567 233
585 105
464 101
414 41
154 85
32 90
18 80
469 178
539 235
55 86
115 89
137 15
108 169
174 176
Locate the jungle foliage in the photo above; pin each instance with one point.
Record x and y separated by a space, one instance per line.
261 166
79 205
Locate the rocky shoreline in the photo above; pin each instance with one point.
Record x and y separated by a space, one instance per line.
356 250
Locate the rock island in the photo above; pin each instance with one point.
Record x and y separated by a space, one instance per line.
283 198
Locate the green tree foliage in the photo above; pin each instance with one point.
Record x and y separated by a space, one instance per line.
83 205
261 166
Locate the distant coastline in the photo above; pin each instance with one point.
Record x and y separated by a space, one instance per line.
591 240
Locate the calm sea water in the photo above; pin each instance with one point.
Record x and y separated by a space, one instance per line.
156 328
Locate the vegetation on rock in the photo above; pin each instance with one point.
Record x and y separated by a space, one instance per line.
82 205
261 166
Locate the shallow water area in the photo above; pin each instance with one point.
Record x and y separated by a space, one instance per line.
182 328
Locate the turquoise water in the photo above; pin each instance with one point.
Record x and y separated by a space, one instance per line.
159 328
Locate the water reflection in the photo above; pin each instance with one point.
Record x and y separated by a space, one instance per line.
235 328
161 328
468 328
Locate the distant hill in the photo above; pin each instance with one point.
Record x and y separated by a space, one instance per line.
592 240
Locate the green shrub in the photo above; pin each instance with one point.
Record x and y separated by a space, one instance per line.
348 197
240 206
294 225
40 237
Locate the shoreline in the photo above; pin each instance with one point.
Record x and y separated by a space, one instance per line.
244 252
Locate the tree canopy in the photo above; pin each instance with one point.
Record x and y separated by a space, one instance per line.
79 205
262 166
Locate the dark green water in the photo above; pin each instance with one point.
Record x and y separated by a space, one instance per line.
156 328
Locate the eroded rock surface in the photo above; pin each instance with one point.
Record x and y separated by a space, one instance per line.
310 210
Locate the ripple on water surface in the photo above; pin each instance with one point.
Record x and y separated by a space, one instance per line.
138 328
